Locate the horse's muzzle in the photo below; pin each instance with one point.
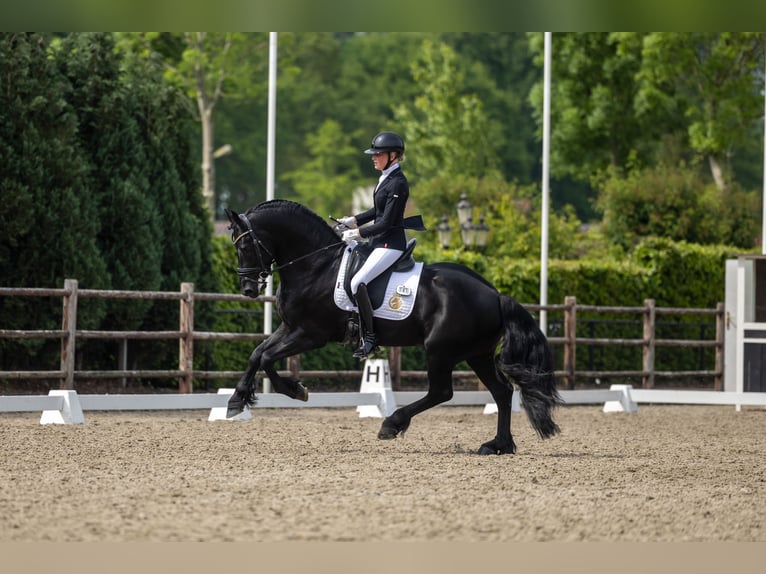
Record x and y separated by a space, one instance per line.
249 288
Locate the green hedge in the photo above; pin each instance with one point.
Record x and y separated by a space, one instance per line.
673 274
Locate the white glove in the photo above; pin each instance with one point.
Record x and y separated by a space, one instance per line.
349 222
351 234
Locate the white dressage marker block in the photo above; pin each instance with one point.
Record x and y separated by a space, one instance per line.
376 378
625 404
219 413
70 413
491 408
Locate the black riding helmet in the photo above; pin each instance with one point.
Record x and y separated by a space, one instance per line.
386 141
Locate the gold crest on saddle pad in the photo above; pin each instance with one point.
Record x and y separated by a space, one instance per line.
395 302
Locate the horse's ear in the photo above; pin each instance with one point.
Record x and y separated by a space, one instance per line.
231 215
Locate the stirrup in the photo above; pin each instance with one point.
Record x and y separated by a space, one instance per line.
368 347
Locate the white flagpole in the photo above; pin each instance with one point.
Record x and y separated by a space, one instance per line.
546 167
270 153
763 215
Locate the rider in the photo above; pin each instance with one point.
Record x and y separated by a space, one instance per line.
386 234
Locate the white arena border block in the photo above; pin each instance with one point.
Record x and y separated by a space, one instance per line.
69 413
491 408
376 378
624 404
219 413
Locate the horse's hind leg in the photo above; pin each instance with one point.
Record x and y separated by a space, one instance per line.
439 391
502 392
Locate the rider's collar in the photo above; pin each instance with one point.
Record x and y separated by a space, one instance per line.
386 172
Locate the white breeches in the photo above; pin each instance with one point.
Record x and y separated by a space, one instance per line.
378 261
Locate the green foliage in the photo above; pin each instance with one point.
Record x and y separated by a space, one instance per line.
448 128
617 98
325 182
499 70
512 212
97 184
711 78
109 134
593 122
675 203
48 215
681 274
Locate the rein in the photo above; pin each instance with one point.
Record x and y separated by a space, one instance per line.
263 273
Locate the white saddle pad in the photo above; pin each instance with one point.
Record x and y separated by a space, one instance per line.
399 299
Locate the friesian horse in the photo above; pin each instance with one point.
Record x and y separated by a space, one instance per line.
457 316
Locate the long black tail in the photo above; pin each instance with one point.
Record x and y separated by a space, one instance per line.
525 358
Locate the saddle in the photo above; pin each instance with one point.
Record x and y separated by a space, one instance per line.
376 288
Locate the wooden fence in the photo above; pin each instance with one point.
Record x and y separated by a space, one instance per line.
187 335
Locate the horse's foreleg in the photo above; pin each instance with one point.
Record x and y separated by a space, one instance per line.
502 392
291 342
439 391
244 393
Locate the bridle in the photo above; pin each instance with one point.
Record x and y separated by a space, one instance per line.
264 270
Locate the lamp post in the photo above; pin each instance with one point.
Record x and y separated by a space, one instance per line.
464 209
472 235
444 232
481 233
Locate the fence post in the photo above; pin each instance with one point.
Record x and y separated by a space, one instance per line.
395 367
570 336
122 359
69 325
186 340
649 338
719 346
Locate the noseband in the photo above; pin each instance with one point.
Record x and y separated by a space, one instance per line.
264 270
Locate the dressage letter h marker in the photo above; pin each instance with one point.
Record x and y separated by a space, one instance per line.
376 378
373 373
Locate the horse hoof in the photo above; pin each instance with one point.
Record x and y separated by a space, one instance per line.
493 448
302 393
387 433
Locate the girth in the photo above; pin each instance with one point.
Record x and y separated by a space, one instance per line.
376 288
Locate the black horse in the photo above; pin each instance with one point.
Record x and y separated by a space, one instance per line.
457 316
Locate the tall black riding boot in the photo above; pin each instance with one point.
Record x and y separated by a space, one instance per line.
369 340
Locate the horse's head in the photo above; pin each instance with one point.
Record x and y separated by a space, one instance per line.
254 258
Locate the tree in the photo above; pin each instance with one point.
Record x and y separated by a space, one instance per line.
48 215
448 128
208 66
500 70
673 202
325 182
108 109
351 79
594 125
714 81
165 134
